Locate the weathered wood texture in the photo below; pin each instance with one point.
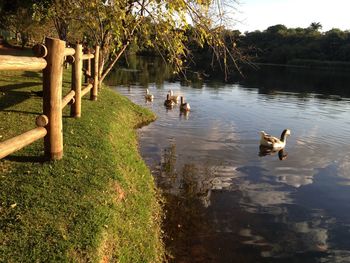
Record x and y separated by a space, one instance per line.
87 56
21 63
69 51
39 50
86 89
68 98
42 120
77 73
52 97
50 123
16 143
87 72
94 90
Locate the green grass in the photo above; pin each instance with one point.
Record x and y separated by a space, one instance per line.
97 204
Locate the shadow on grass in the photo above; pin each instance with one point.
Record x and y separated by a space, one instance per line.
26 159
10 87
12 97
20 111
32 74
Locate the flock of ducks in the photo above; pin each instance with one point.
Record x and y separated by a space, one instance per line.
171 100
268 144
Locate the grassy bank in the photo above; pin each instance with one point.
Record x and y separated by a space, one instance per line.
98 204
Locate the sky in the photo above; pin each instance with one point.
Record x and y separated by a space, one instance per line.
260 14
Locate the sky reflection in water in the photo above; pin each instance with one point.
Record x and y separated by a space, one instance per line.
227 203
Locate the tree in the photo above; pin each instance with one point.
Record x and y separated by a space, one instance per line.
62 14
16 18
315 26
276 29
159 24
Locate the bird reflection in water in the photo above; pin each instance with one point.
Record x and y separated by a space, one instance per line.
184 114
263 151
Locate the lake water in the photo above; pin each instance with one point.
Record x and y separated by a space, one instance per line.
225 201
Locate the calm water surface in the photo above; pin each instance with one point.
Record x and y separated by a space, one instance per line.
227 203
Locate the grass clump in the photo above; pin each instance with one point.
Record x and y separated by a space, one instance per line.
97 204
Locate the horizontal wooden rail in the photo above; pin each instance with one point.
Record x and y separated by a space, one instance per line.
50 58
86 89
87 56
68 98
16 143
21 63
69 51
87 74
39 51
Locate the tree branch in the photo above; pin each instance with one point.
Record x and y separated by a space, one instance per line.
111 65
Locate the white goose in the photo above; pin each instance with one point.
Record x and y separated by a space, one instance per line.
184 106
173 97
269 141
148 95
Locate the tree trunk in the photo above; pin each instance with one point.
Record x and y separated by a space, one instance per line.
111 65
61 28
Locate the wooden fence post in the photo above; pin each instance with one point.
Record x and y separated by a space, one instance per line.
52 97
94 90
88 67
77 71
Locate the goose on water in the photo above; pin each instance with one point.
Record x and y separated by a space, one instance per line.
168 102
148 95
173 97
272 142
184 106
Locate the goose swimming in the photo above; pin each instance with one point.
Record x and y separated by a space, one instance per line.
168 102
184 106
272 142
173 97
148 95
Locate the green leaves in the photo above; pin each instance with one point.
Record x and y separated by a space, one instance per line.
158 24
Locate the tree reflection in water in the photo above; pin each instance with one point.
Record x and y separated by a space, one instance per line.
187 194
185 115
291 211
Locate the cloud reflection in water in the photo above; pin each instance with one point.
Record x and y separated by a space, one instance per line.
223 195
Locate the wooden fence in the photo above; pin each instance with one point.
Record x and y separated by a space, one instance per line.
50 59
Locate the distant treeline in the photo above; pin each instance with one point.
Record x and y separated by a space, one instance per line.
280 45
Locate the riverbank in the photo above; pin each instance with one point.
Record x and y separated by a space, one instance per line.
98 204
310 64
